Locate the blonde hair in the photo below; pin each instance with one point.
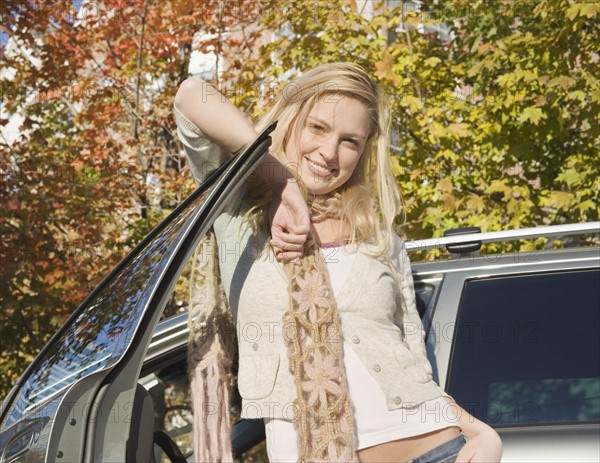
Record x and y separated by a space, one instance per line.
368 222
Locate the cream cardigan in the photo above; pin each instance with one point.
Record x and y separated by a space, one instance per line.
379 320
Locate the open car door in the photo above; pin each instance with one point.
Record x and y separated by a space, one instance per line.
75 402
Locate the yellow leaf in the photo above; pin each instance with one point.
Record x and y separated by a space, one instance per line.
588 9
384 69
444 185
586 205
498 186
532 114
436 130
448 154
559 199
458 130
432 62
475 202
563 81
484 48
414 103
573 11
448 201
397 169
416 173
512 207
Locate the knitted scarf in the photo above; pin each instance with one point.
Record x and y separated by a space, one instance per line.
322 409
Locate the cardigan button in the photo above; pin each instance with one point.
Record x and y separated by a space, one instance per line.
397 400
355 339
254 346
377 368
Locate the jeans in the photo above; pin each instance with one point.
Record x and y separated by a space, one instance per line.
445 453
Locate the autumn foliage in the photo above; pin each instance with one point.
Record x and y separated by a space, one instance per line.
495 118
95 164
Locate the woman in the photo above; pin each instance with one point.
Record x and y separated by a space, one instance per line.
331 351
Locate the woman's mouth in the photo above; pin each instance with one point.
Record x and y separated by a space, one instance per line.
318 169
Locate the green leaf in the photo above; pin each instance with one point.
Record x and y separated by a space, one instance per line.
570 177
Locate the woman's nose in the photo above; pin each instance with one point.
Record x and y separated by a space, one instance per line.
329 148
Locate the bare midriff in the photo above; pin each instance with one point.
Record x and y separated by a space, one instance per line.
406 449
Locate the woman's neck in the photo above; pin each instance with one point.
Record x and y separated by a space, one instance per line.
330 231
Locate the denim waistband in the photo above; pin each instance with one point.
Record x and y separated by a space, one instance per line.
444 453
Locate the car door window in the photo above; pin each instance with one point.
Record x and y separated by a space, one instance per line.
527 349
100 333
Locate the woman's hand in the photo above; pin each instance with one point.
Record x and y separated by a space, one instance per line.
290 221
484 447
483 442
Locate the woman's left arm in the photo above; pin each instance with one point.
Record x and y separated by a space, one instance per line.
407 316
483 442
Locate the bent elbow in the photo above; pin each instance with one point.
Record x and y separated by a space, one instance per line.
188 91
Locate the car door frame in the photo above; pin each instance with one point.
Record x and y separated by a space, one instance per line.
60 438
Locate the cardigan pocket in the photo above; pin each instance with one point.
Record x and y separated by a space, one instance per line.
411 366
256 375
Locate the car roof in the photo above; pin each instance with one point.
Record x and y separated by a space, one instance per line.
516 258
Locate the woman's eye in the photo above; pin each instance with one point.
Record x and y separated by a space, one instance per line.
317 127
352 141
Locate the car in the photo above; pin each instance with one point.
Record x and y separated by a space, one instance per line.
513 337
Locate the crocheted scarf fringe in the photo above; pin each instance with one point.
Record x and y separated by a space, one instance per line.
211 350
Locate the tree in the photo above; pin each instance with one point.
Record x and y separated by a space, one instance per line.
492 127
494 108
532 65
97 163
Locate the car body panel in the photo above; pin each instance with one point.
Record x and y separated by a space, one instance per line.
439 287
551 444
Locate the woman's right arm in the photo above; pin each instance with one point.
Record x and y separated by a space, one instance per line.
224 125
218 119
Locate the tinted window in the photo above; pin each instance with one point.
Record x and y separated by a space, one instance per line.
527 349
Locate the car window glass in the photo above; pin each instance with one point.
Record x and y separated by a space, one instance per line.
165 374
98 336
169 390
423 294
527 349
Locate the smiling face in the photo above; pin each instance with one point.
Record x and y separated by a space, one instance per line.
332 141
